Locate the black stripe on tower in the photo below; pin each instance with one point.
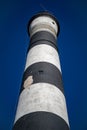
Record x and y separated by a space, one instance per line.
40 121
44 72
43 37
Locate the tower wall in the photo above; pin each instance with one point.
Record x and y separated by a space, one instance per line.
42 104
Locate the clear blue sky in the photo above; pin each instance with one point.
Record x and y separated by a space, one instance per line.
72 43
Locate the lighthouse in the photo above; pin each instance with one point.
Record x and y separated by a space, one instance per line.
42 104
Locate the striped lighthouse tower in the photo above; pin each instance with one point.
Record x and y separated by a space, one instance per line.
42 104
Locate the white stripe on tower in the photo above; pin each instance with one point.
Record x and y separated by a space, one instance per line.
43 53
42 102
42 97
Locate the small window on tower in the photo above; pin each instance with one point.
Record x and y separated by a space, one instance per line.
40 71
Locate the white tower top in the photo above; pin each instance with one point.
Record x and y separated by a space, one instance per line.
43 22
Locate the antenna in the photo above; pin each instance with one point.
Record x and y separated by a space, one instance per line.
43 7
